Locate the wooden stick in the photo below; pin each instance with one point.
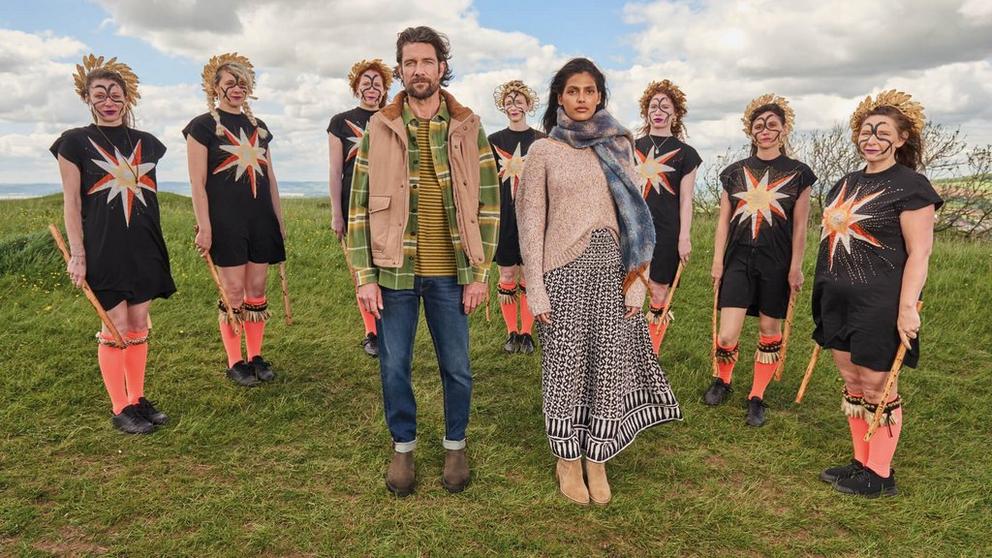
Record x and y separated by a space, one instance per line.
60 242
809 373
786 333
889 382
287 311
668 299
716 296
220 288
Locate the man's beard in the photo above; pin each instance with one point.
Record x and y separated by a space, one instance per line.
432 88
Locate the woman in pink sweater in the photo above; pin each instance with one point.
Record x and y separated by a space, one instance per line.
586 238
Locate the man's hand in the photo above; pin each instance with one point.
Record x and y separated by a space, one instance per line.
473 295
370 298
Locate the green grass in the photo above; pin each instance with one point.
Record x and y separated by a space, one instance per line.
295 468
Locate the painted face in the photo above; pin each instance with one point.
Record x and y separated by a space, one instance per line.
107 100
232 90
879 138
580 97
768 130
516 106
371 89
420 69
661 111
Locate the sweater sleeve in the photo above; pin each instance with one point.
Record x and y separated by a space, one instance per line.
531 209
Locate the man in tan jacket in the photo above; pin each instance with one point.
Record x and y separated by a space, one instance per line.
422 225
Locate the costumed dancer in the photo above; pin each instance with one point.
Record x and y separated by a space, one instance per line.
875 243
369 81
587 238
667 166
758 251
115 235
510 145
236 202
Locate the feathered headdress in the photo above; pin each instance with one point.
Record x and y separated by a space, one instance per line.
92 63
903 102
514 86
769 99
210 72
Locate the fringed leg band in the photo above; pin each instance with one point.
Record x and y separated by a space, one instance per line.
888 419
256 312
659 315
726 356
222 313
769 351
853 405
108 341
507 295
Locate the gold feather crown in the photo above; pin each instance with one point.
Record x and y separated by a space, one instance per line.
514 86
673 92
363 66
769 99
210 71
92 63
903 102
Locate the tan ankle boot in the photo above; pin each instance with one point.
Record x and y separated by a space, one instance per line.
569 475
455 475
599 487
400 477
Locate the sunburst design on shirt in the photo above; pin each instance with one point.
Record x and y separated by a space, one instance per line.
245 154
759 200
126 177
511 167
355 138
840 222
653 168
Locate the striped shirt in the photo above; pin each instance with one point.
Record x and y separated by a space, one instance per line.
435 253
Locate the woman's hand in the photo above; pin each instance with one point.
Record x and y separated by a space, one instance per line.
203 241
796 279
908 325
631 312
544 318
337 225
717 272
685 248
76 268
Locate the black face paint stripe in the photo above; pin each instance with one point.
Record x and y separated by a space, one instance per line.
367 85
108 90
763 122
874 132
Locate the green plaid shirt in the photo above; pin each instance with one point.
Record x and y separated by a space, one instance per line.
359 244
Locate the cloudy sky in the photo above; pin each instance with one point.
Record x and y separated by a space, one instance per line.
824 55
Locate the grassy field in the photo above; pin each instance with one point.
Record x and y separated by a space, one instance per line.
295 468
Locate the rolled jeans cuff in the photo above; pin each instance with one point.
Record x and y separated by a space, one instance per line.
405 447
452 445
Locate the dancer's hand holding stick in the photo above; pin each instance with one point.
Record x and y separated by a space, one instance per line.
60 242
809 373
786 333
889 383
220 288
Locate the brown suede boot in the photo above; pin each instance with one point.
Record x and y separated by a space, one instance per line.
400 477
569 475
599 487
456 475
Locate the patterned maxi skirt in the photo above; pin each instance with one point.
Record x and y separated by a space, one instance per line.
601 381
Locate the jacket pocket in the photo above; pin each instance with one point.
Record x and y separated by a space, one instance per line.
379 222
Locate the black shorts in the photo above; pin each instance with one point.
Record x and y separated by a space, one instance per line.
755 282
508 248
251 240
665 261
110 299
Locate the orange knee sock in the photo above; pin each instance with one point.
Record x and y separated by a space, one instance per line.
765 362
726 358
858 430
883 444
232 343
135 358
111 359
507 293
368 320
526 318
256 313
657 330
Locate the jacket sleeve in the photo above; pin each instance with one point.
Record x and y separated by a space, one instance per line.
488 208
358 241
531 208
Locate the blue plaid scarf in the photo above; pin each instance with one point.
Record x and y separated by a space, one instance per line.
613 144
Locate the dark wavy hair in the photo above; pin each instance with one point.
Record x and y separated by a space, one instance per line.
911 152
557 87
424 34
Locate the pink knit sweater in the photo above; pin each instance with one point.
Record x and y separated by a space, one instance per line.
563 197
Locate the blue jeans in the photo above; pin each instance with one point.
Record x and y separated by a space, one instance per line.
397 329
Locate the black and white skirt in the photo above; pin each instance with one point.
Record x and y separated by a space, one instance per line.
601 381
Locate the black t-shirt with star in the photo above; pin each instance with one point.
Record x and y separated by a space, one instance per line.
510 151
662 163
349 127
763 195
862 254
237 170
126 257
